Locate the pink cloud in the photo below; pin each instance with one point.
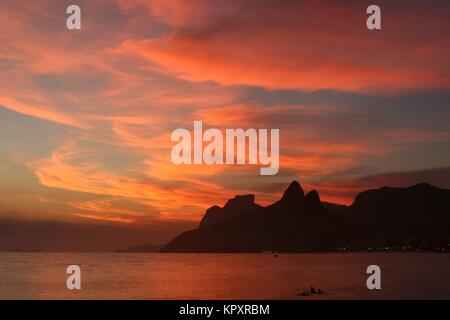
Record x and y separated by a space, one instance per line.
300 45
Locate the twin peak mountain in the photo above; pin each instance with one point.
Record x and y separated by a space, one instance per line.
243 203
417 216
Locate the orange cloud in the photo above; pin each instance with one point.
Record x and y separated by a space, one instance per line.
284 46
105 217
40 111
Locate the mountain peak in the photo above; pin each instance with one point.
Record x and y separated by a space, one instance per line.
294 191
313 198
425 186
313 195
233 208
241 201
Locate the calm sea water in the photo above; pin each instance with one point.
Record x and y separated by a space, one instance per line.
223 276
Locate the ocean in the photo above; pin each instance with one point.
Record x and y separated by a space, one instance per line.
224 276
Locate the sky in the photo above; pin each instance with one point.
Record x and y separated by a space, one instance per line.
86 115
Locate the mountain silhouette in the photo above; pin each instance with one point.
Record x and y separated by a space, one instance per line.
417 216
297 222
233 208
419 208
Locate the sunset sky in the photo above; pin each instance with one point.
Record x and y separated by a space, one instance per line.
86 115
